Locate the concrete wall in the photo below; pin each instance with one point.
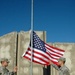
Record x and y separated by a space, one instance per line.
8 48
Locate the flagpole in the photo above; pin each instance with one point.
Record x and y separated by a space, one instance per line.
31 73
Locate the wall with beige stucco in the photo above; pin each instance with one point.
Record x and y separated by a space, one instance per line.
13 45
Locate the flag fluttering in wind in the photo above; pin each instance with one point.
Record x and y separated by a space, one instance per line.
42 53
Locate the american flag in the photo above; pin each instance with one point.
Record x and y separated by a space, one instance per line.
42 53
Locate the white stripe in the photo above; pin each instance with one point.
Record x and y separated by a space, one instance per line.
55 57
35 59
53 53
41 52
45 54
40 56
55 50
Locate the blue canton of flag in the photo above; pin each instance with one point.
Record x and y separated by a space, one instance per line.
38 43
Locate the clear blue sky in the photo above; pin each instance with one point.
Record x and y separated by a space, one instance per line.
56 17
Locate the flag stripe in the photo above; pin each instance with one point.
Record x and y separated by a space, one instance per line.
52 53
55 55
35 59
47 56
40 52
55 51
38 57
51 56
54 48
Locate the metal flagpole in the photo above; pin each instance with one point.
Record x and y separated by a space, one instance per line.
31 73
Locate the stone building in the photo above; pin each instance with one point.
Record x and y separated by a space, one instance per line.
14 44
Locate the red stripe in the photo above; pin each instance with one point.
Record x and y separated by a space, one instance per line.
54 51
45 56
54 54
35 61
55 48
37 57
51 56
42 60
34 51
55 62
39 62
